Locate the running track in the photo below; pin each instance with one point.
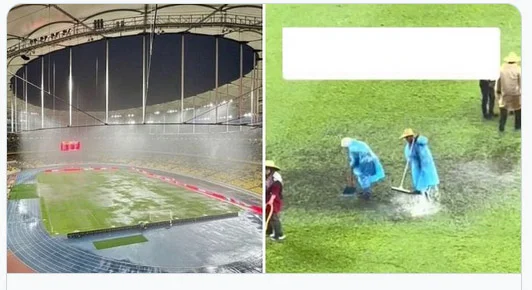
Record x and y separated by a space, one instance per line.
30 242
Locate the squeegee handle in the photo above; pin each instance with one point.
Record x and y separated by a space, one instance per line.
404 174
408 162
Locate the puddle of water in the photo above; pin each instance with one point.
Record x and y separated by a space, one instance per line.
415 205
129 198
464 186
22 208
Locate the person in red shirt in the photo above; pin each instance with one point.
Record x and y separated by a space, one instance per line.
274 201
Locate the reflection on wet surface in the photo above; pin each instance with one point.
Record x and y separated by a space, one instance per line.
231 245
464 186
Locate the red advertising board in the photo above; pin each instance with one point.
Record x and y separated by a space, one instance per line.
70 146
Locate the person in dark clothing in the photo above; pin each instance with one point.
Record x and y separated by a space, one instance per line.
487 88
274 201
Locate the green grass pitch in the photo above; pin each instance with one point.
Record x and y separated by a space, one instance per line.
479 228
23 191
118 242
96 200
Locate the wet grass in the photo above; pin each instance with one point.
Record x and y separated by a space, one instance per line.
23 191
98 200
479 227
118 242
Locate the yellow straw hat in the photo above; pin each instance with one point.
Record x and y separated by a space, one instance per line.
271 164
406 133
512 57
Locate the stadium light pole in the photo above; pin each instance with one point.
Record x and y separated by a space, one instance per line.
25 97
182 79
53 97
258 84
77 105
13 108
253 85
16 121
216 83
70 86
96 75
227 109
106 81
241 84
194 114
49 87
143 77
42 92
14 114
17 125
49 74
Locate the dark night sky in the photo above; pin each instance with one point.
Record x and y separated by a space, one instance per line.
125 71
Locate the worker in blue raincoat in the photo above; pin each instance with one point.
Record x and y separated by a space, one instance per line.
417 152
364 164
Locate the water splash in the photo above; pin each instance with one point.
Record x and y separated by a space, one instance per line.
415 205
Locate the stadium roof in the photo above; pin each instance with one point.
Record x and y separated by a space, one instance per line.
37 29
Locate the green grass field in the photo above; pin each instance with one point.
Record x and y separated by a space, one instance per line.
97 200
477 230
24 191
118 242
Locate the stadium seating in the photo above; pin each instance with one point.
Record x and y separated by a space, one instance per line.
231 158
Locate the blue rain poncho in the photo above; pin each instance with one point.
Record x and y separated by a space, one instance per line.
424 173
365 164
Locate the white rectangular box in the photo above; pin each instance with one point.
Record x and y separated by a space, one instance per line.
391 53
264 281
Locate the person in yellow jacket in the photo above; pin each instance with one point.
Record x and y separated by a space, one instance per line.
508 91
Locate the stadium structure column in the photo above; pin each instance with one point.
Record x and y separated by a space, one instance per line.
13 107
194 114
226 103
53 94
240 96
253 86
16 116
42 92
96 74
144 77
258 95
25 97
216 82
106 81
182 78
70 87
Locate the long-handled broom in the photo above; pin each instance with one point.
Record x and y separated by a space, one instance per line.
401 188
269 214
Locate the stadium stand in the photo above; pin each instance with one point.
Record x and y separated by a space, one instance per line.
230 158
